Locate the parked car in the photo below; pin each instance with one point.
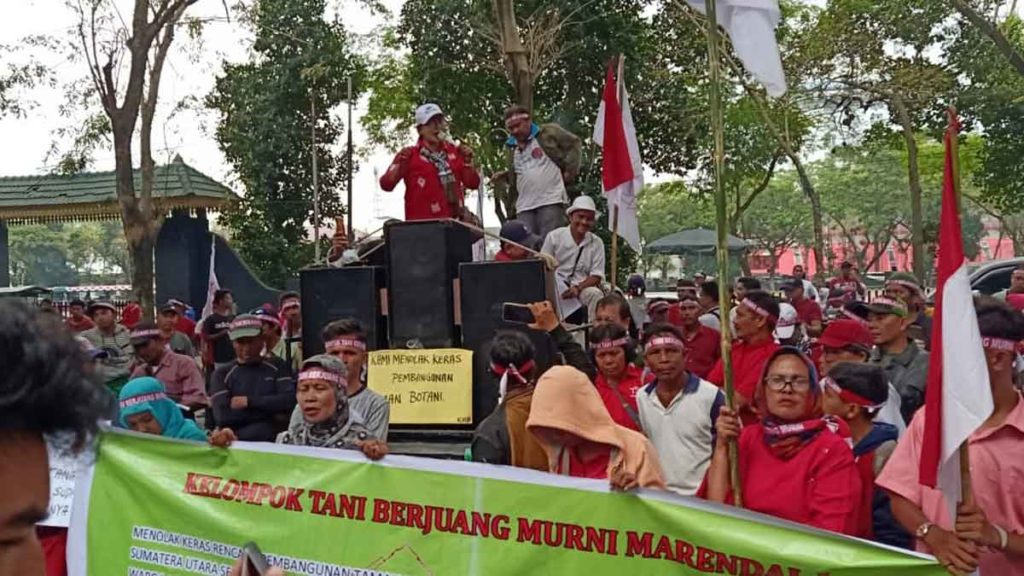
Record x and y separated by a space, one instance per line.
994 277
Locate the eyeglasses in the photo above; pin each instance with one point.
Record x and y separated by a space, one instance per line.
778 383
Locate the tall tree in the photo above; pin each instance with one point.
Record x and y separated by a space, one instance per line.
270 109
115 52
779 220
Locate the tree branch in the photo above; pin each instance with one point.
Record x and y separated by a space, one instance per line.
762 186
992 31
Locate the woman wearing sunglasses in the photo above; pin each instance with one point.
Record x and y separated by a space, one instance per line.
794 463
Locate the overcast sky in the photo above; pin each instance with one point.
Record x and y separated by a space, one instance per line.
24 147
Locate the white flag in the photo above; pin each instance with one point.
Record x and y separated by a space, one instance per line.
212 285
751 27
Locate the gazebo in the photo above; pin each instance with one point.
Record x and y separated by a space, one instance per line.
90 196
180 192
698 246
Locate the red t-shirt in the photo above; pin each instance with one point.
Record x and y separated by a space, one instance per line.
596 469
186 326
54 542
79 326
747 366
424 194
703 350
807 310
628 386
819 486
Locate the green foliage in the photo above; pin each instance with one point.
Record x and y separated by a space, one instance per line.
780 218
68 254
265 129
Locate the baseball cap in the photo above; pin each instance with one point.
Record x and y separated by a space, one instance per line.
519 232
583 202
143 332
169 306
245 326
905 279
268 316
880 305
327 362
427 111
788 320
842 333
105 304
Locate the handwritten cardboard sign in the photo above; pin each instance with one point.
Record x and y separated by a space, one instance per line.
424 386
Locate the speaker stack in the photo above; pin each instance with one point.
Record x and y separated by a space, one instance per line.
423 264
330 294
485 287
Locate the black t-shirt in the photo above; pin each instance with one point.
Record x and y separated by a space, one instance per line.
223 351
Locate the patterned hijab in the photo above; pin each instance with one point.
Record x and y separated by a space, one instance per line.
338 431
786 438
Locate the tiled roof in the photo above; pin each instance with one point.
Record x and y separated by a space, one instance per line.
93 195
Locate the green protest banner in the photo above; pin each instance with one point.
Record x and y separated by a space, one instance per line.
151 506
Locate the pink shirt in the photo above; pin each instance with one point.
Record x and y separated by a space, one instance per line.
997 476
180 376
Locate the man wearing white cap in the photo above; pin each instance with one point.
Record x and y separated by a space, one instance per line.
580 257
435 171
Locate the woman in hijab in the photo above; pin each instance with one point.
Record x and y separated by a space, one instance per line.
145 407
326 420
794 464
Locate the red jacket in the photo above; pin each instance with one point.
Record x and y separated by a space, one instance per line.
424 194
818 487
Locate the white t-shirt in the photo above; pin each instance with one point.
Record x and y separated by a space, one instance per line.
538 178
683 432
560 244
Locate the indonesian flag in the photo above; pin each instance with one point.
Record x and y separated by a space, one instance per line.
751 27
958 397
622 172
212 285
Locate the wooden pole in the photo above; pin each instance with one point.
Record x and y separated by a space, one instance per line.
966 494
722 247
615 243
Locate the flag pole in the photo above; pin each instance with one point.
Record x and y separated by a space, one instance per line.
721 249
966 493
615 243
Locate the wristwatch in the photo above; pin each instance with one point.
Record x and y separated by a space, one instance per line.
923 530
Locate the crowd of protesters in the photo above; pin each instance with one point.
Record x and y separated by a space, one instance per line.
826 423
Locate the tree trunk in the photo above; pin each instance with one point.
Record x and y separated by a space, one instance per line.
991 30
914 181
820 258
517 65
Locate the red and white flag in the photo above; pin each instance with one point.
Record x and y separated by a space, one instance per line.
958 398
622 172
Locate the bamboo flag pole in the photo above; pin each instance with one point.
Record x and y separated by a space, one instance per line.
721 250
615 243
966 494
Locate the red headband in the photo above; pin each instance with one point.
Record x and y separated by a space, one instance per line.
515 118
317 374
606 344
514 371
146 333
665 341
853 316
992 343
346 343
760 311
848 396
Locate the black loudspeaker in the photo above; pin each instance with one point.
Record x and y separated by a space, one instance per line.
423 262
485 287
329 294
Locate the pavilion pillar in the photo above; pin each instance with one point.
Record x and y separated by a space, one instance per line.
5 256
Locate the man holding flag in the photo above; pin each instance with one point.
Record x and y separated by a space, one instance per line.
972 410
